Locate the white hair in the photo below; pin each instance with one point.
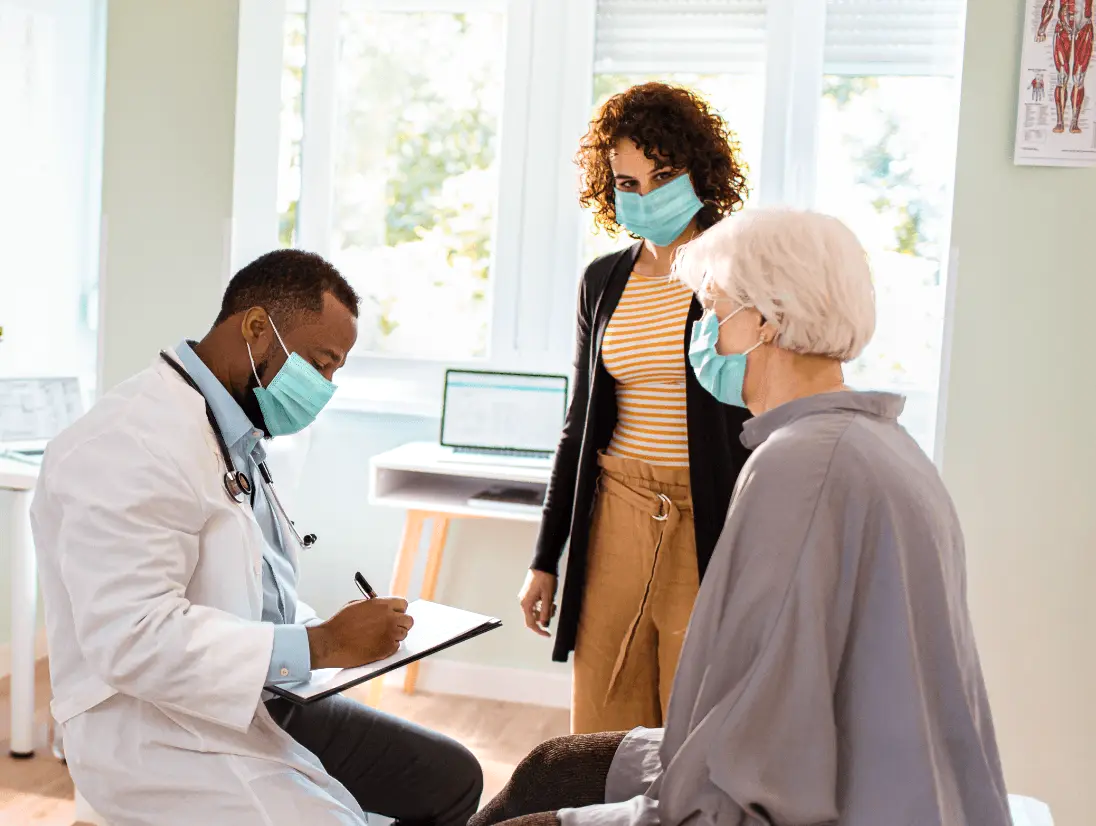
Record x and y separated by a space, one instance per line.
806 273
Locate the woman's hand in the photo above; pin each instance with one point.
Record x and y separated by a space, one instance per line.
537 601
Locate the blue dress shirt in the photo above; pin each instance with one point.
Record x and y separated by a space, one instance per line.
291 659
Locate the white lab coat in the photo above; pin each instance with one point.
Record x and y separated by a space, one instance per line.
151 578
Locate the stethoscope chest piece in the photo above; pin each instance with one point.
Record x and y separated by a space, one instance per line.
238 486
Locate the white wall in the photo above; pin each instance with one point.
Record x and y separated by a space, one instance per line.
167 174
1019 452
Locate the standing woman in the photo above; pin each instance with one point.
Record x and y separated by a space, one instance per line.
639 502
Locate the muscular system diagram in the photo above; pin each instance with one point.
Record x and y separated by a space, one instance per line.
1072 54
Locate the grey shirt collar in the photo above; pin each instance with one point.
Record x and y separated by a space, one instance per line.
881 405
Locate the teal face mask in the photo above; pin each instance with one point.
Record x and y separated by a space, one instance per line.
662 214
295 396
722 376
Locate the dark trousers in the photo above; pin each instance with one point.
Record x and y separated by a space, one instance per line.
392 767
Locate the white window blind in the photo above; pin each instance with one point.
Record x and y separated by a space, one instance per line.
702 36
894 37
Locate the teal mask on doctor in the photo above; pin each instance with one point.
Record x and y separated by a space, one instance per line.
294 397
722 376
662 214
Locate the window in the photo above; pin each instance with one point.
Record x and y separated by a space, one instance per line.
416 179
715 49
847 106
889 148
399 175
887 129
51 86
427 148
291 131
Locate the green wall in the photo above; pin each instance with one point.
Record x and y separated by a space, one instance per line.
1019 453
167 174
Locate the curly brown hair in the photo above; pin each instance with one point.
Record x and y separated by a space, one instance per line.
672 125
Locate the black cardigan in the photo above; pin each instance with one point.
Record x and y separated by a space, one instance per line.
716 454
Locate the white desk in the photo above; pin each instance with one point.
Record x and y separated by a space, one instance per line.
418 478
18 480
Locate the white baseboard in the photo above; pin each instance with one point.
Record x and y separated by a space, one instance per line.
510 685
40 651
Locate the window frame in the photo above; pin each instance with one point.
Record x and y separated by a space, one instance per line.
538 229
531 312
795 69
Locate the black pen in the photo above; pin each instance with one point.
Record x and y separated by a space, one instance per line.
364 586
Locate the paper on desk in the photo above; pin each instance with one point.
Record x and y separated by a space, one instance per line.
435 625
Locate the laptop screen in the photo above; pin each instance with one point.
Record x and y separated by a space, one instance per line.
503 411
36 410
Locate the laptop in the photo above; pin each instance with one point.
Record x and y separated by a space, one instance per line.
502 418
33 411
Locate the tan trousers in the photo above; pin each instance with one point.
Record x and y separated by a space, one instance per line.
641 582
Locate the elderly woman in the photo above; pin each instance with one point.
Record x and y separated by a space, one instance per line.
829 674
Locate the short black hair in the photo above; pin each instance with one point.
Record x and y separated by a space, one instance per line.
286 283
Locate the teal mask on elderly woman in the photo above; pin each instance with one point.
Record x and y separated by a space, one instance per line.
662 214
722 376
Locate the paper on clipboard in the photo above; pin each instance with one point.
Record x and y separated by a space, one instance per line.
436 628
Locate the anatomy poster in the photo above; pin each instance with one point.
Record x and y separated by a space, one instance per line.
1055 123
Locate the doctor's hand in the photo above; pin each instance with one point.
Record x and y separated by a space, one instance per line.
537 601
360 633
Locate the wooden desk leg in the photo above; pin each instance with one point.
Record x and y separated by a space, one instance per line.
409 549
401 580
376 690
438 536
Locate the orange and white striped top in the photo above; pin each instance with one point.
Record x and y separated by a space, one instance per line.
644 350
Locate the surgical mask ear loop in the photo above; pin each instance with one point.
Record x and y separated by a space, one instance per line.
251 358
732 315
274 327
705 287
719 323
760 341
765 375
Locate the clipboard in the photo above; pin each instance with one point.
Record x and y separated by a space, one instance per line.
437 627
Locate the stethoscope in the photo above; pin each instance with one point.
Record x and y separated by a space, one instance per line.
238 484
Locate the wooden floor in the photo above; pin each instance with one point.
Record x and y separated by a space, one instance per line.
38 792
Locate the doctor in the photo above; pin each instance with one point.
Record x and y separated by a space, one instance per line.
170 590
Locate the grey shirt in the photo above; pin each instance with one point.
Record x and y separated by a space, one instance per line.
830 673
